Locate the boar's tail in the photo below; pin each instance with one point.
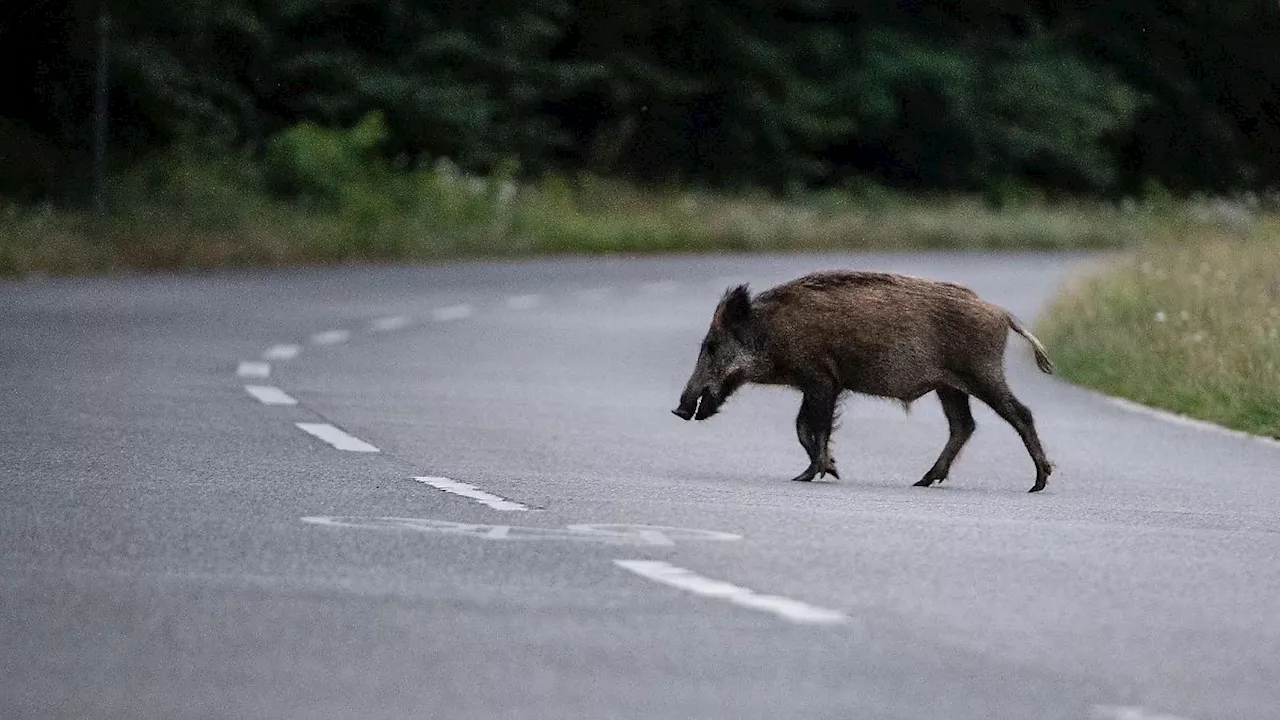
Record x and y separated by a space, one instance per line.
1042 357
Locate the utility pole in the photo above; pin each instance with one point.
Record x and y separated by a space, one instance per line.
100 113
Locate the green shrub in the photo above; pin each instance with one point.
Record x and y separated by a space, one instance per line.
320 163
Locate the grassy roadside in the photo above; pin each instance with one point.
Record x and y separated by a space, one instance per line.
1190 327
200 222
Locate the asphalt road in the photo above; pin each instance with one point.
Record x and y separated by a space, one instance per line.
172 546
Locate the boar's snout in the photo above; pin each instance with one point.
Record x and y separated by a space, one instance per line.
688 405
697 406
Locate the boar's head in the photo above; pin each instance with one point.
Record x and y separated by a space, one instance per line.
726 359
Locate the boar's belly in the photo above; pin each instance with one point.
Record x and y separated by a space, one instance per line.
901 377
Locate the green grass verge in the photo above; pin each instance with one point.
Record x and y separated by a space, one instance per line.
1190 327
179 214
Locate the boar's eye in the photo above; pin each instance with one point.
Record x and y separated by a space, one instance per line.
712 346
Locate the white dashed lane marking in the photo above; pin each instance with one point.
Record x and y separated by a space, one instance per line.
281 352
253 369
523 302
331 337
470 491
336 437
387 324
268 395
687 580
452 312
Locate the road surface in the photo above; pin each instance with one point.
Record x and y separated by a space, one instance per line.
458 492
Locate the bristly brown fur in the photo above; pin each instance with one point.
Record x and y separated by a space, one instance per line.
828 281
836 279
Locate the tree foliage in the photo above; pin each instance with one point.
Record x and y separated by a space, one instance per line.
968 95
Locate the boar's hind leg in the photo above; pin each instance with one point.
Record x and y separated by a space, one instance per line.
955 404
813 428
998 395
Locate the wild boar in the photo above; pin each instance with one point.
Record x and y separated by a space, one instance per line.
880 334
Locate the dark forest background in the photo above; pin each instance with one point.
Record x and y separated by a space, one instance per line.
1099 98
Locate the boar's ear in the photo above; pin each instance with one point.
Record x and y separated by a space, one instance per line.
736 308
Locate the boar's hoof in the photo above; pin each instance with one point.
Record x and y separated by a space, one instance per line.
809 474
927 480
818 471
829 468
1037 487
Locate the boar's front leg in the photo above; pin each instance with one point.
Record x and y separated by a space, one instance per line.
813 428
